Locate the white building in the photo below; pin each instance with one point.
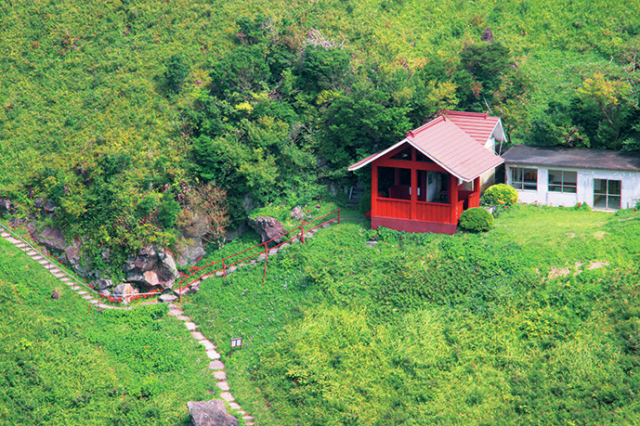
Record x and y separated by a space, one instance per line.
605 180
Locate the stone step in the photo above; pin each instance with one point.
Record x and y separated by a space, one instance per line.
183 318
190 326
234 406
198 336
5 234
213 354
94 302
37 258
227 396
248 418
220 375
207 345
175 312
216 365
76 287
82 293
273 251
87 297
223 386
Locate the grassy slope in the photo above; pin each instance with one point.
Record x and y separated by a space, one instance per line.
62 365
328 341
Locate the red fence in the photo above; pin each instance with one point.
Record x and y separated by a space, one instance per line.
228 264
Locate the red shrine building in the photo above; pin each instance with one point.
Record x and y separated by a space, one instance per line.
424 182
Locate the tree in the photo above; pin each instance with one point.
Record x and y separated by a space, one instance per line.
176 72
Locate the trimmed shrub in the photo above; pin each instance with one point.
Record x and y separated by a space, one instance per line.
476 219
500 195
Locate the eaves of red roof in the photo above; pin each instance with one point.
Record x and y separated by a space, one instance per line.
479 126
450 146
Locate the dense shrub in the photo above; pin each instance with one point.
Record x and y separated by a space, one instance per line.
476 219
500 195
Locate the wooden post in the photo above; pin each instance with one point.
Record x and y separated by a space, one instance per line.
180 292
224 270
374 190
302 237
338 216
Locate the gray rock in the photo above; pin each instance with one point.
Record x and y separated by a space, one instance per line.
167 298
487 36
152 268
5 204
125 291
298 214
268 228
51 238
103 284
210 413
189 251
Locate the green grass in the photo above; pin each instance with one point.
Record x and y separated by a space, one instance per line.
445 330
63 364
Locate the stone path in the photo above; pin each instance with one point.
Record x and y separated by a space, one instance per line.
215 364
74 284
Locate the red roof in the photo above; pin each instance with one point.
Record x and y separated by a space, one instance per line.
454 147
479 126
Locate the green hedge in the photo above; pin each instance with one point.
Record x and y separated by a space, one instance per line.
500 195
476 219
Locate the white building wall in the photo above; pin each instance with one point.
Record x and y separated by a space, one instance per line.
630 191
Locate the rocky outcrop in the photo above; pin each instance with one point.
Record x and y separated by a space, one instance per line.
210 413
268 228
152 268
190 247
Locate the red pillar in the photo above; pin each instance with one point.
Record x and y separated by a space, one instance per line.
453 198
374 190
476 193
414 191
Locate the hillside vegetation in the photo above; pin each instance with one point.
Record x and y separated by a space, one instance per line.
536 322
119 111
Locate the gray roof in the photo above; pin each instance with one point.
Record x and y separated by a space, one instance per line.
573 158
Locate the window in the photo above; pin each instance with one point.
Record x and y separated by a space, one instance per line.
606 194
524 178
563 181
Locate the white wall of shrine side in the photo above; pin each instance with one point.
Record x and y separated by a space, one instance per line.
630 187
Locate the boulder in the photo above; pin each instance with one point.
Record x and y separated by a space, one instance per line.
487 36
51 237
103 284
210 413
5 204
152 268
188 254
298 214
268 228
125 291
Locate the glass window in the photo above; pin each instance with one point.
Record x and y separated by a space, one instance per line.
606 194
526 179
563 181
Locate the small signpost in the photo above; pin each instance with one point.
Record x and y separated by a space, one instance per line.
235 343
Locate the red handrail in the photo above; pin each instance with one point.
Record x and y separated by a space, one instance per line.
226 265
